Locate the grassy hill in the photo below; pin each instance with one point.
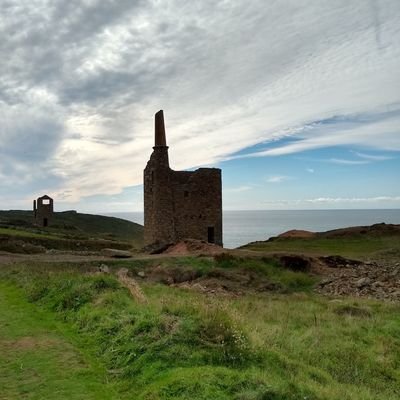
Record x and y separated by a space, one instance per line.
379 240
69 228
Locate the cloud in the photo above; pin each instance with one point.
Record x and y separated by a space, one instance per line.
331 201
310 170
374 131
80 82
353 199
29 138
278 179
239 189
347 162
340 200
373 157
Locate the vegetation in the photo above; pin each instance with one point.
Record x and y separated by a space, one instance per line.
68 231
39 358
22 233
184 344
354 246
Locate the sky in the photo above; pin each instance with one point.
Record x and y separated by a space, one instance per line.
298 102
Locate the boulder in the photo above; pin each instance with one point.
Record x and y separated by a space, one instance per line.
116 253
104 268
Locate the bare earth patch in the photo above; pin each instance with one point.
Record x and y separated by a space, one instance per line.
295 233
193 247
29 343
131 285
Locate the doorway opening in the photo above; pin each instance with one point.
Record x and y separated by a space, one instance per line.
211 234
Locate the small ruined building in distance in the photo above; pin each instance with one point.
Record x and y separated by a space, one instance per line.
179 204
43 209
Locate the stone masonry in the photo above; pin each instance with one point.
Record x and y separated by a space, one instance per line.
179 204
43 209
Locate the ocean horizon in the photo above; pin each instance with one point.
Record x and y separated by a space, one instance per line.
244 226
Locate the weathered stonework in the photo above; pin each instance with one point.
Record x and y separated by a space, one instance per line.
43 209
179 204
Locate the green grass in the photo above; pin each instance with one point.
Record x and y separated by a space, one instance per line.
35 240
287 280
27 234
204 267
72 225
182 344
40 361
347 247
39 243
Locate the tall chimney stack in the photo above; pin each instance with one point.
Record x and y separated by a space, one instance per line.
159 130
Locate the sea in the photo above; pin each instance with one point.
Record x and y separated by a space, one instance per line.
242 227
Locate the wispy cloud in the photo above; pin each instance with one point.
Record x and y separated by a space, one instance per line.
335 200
353 199
310 170
373 157
239 189
278 178
372 130
347 162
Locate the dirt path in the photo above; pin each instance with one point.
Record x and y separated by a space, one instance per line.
12 258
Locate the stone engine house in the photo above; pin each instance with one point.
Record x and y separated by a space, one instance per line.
43 209
179 204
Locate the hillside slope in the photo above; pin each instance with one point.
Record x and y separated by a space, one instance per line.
70 225
361 242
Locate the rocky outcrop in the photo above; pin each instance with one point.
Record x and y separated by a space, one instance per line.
361 279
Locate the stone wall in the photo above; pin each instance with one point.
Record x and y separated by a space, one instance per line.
158 200
198 204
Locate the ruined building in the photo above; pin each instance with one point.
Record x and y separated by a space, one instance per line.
179 204
43 210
